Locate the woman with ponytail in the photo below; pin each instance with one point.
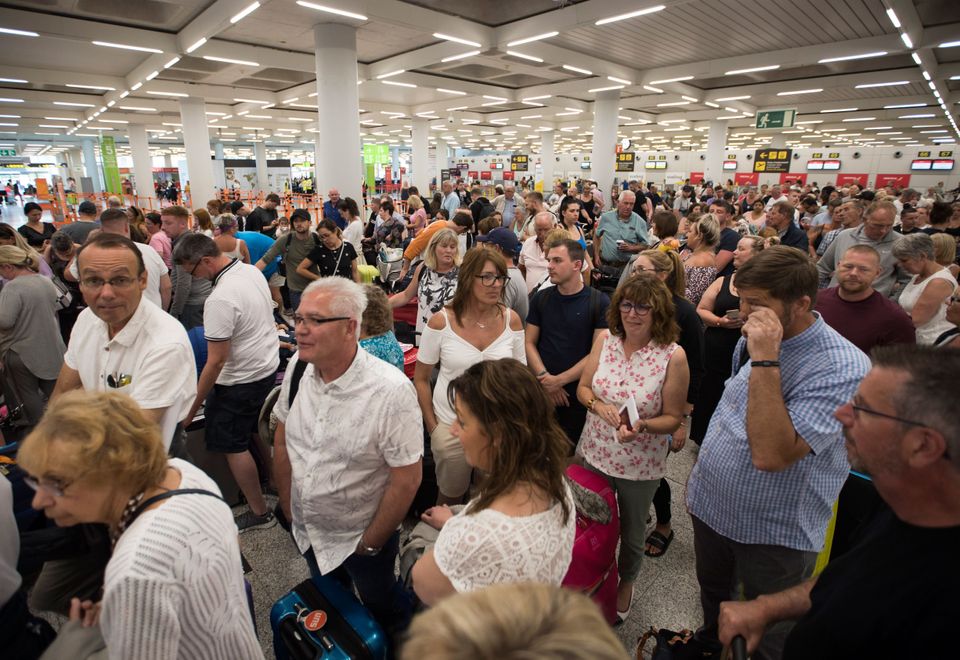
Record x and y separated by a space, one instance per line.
31 348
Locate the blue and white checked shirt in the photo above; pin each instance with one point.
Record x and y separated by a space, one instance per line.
820 370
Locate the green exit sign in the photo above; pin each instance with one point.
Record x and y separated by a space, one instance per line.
775 118
8 153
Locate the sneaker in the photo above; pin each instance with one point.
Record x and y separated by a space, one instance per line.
248 521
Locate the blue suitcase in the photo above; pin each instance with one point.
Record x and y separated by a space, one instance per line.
320 619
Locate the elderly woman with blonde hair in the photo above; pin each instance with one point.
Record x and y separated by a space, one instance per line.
376 328
174 584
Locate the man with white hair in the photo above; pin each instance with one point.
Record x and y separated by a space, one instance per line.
347 450
451 200
506 204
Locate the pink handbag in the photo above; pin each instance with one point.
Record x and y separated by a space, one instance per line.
593 569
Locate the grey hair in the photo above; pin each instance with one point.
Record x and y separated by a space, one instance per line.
226 221
347 298
930 395
193 247
914 246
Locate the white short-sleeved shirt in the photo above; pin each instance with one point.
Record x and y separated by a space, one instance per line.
455 355
174 585
240 309
534 262
477 550
342 439
152 349
154 265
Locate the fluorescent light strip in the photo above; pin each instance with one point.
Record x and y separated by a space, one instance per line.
110 44
136 87
524 56
252 101
632 14
839 110
904 105
656 90
712 105
670 80
171 63
920 116
19 33
668 105
174 94
619 80
907 41
196 45
846 58
246 12
137 108
949 44
461 56
392 73
883 84
69 104
397 83
754 69
153 75
800 91
455 92
465 42
604 89
332 10
860 119
575 69
228 60
18 81
538 37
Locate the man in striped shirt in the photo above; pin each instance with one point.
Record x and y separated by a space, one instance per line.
773 460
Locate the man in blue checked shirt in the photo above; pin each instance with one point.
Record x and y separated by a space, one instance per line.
773 460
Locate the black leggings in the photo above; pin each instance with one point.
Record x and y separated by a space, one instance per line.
661 502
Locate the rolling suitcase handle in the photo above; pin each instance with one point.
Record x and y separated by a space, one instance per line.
739 648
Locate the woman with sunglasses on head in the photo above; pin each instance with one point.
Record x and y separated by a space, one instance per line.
31 348
475 326
173 587
634 386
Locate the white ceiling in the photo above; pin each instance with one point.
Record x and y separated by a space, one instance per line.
696 41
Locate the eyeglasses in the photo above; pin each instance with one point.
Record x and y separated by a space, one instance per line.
194 269
856 405
489 279
643 269
55 487
119 380
96 283
634 308
315 322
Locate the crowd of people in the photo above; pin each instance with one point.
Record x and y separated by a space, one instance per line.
551 330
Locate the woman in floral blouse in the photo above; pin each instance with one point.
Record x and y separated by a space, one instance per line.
638 359
393 229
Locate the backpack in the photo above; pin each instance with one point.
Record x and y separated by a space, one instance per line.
267 421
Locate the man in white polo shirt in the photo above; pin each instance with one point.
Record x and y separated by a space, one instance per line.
157 291
243 353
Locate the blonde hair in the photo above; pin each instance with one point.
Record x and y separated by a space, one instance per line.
669 262
16 256
96 437
556 236
414 203
445 236
513 622
20 242
708 228
944 249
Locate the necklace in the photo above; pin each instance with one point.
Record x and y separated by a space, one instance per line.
126 518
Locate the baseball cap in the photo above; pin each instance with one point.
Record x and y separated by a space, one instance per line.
87 208
502 237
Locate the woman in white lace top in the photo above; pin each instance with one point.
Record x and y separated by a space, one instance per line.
520 526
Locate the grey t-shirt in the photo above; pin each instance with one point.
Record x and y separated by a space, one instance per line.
29 326
296 251
515 295
79 231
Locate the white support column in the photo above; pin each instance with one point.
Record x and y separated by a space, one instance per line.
260 154
75 163
603 157
196 143
421 157
90 167
218 150
547 161
339 164
716 144
168 162
142 165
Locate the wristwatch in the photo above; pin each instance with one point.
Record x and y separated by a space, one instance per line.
366 550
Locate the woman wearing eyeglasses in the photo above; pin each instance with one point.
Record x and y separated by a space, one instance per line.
474 327
635 366
31 348
173 587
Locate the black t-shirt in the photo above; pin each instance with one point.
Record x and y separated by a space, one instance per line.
640 204
691 341
34 238
259 218
728 241
893 595
566 325
334 262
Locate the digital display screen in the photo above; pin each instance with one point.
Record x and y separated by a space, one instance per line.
585 166
921 165
942 165
729 164
814 164
831 164
496 166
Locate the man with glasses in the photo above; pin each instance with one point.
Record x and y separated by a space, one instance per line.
121 342
877 232
348 450
772 462
243 353
894 593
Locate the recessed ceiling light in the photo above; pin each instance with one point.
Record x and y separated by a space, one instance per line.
674 103
860 119
905 105
576 69
196 45
397 83
839 110
671 80
465 42
15 80
845 58
70 104
754 69
882 84
732 98
800 91
171 63
949 44
19 33
110 44
174 94
152 75
622 81
246 12
455 92
538 37
137 108
391 73
461 56
229 60
332 10
604 89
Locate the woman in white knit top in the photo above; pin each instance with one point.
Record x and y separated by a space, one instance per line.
174 585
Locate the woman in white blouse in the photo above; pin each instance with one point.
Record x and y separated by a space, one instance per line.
927 295
173 587
474 327
520 527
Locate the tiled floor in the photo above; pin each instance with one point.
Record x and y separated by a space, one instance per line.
666 595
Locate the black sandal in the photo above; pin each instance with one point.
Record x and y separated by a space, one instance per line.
660 542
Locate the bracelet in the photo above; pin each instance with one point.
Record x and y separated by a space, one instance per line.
592 403
542 373
765 363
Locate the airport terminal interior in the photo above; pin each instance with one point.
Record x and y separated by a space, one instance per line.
443 329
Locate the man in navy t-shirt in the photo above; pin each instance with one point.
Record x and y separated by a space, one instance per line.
562 324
